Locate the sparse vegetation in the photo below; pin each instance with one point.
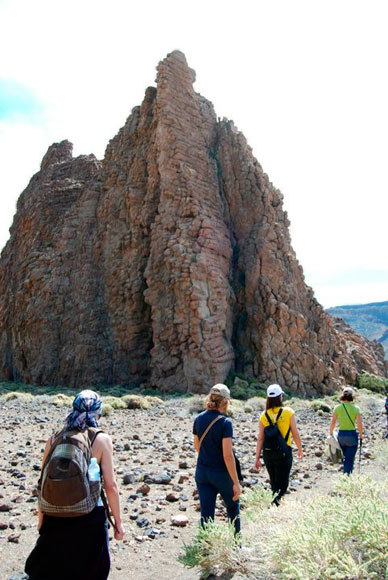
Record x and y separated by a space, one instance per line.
372 382
62 400
10 396
214 548
115 402
244 390
196 404
321 405
337 536
106 410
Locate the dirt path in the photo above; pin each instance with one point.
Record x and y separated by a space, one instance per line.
147 444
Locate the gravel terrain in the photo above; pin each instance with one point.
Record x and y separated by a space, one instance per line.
155 463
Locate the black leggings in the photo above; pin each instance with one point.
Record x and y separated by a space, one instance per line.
278 466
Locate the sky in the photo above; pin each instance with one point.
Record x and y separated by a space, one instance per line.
304 80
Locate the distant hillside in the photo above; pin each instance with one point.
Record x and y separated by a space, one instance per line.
369 320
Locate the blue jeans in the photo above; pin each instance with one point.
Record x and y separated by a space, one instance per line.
348 441
209 484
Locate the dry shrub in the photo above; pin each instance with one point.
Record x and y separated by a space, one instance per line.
137 402
106 410
321 405
62 400
329 537
257 403
195 404
154 400
215 549
17 395
114 402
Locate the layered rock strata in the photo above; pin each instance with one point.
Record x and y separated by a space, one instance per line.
167 264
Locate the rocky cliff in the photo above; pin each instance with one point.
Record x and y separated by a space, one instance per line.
169 264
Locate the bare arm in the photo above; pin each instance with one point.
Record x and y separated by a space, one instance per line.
227 452
110 484
333 423
196 443
359 425
296 436
259 447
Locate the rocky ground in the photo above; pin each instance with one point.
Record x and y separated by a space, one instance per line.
154 462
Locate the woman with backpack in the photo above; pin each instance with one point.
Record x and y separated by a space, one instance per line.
73 538
216 466
348 416
277 428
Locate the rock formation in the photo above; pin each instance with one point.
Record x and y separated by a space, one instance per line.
168 264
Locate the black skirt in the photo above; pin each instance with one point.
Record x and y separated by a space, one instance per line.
71 548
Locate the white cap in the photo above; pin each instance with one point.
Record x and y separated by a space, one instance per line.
221 390
274 391
348 391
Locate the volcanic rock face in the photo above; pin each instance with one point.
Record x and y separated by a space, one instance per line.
169 263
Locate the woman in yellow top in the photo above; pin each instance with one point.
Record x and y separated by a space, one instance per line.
278 460
348 416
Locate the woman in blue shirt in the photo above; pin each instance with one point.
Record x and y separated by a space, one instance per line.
216 466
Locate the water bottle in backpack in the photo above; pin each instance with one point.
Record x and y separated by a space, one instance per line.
94 470
94 474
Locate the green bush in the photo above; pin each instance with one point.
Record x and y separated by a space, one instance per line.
372 382
244 390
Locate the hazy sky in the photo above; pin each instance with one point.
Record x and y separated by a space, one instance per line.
305 81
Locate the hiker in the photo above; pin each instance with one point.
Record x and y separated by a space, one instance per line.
277 443
348 415
216 466
77 547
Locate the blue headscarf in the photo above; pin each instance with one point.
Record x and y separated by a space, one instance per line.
86 410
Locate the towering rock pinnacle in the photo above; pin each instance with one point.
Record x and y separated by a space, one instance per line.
169 264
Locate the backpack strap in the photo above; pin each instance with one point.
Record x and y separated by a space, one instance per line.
352 422
107 510
277 417
92 434
289 428
207 430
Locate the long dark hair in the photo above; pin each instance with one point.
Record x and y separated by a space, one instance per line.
274 402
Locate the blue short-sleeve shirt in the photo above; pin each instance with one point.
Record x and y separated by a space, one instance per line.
210 453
